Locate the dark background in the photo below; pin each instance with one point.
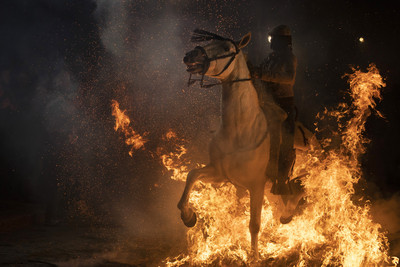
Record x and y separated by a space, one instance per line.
62 62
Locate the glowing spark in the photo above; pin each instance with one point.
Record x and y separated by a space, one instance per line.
122 123
361 40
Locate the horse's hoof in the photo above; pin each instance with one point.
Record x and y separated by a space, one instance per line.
254 258
285 220
190 220
180 205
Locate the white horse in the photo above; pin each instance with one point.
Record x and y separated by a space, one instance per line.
240 150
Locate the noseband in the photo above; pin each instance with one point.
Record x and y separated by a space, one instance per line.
201 35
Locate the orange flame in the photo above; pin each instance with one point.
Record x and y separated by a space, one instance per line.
364 90
122 122
332 229
175 160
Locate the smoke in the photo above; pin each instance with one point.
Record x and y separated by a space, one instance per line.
113 15
36 94
387 213
55 96
51 141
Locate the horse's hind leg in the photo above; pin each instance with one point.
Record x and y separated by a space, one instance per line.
256 202
206 174
293 205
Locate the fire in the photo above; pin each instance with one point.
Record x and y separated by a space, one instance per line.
333 229
175 160
122 122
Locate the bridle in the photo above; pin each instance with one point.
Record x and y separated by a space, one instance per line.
201 35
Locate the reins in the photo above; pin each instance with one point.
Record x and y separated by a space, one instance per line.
201 35
202 85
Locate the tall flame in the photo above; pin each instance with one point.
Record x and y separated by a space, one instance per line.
122 122
333 229
364 91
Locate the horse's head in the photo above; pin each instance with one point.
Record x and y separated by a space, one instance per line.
216 59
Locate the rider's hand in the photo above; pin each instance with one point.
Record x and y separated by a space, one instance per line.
254 71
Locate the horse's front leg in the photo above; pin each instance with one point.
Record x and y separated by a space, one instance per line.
206 174
256 203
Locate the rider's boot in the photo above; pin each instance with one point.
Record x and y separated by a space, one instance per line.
282 185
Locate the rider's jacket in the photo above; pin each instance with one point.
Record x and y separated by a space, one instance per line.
278 72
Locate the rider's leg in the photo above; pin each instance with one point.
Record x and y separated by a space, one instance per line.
275 143
275 115
287 154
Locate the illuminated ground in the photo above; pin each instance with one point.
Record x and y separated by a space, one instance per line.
27 244
84 246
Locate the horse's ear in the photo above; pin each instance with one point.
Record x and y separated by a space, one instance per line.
244 41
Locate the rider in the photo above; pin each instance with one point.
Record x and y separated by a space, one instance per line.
277 74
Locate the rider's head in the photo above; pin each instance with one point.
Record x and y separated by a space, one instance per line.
280 38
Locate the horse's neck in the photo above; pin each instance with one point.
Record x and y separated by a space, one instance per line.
240 104
240 69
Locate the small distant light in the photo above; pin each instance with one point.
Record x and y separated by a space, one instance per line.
361 39
269 38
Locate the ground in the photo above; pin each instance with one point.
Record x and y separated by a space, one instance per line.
26 242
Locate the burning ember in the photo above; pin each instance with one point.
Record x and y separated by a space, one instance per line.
331 229
122 122
174 160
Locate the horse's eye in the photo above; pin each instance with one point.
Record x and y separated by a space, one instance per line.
226 48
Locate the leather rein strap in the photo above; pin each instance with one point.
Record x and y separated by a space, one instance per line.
208 60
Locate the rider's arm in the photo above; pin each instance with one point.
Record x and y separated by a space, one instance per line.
282 72
255 71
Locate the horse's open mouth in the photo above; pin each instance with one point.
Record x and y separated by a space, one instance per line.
195 61
194 68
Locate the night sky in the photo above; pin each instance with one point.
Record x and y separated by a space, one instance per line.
63 61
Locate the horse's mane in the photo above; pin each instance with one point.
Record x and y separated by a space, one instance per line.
202 35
